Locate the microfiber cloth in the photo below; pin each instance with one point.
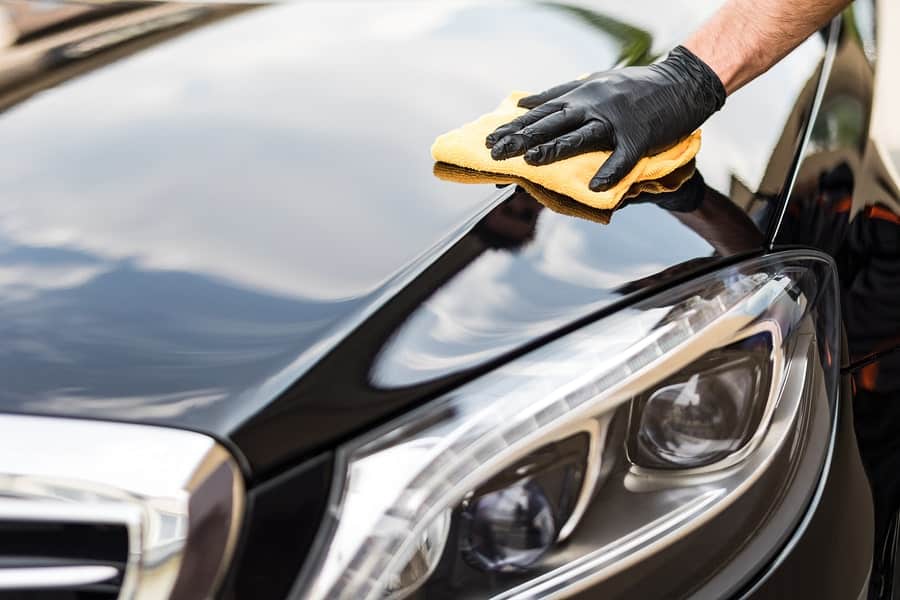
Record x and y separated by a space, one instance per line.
563 204
465 147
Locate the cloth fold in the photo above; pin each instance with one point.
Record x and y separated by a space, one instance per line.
464 147
564 204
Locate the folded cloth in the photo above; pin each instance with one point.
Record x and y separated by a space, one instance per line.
563 204
465 147
552 200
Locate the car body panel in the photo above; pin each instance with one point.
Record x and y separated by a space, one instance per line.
843 511
194 220
225 218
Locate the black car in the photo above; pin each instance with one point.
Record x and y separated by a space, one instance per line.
254 343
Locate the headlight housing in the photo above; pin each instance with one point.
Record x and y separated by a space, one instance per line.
605 447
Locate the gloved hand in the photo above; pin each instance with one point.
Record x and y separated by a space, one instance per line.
636 111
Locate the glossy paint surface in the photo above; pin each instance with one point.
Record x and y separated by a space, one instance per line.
226 219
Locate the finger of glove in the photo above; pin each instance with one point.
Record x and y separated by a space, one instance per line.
553 93
621 161
532 116
546 129
592 136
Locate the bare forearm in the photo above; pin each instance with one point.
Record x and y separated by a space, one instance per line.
746 37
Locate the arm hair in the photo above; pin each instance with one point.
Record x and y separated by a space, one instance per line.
746 37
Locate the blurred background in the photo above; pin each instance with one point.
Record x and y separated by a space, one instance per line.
886 124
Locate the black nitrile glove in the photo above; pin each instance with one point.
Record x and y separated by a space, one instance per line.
636 112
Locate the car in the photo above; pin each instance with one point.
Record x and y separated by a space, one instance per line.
256 344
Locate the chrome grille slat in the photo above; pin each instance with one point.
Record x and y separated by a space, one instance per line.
38 578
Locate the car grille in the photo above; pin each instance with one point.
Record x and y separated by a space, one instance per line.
79 561
94 510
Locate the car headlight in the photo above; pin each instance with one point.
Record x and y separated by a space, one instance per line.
602 448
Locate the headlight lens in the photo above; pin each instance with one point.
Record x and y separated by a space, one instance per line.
708 411
508 524
565 466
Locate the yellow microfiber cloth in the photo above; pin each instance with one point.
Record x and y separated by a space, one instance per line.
557 202
465 147
552 200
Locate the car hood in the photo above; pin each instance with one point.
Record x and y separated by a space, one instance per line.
222 218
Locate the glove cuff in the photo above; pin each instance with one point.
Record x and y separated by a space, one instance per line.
711 86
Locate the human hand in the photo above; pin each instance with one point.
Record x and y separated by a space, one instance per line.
635 112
